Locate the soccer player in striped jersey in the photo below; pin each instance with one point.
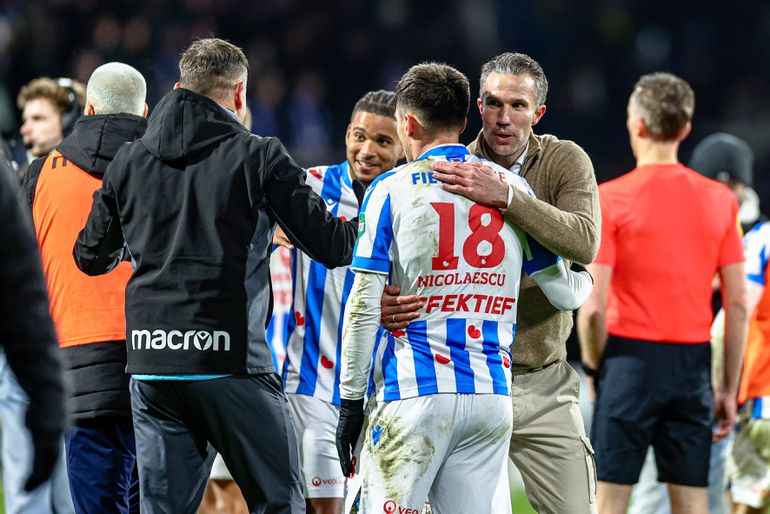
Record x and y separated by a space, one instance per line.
748 468
442 419
311 371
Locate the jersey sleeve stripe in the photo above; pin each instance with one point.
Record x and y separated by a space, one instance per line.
455 339
378 259
539 257
371 265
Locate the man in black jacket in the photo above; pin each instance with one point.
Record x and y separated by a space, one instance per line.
196 200
26 332
89 313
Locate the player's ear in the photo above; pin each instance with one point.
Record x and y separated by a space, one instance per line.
238 95
685 131
480 106
538 114
412 125
640 128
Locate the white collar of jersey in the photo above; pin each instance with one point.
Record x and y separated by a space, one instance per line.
452 151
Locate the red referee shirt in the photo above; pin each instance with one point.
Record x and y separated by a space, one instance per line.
666 230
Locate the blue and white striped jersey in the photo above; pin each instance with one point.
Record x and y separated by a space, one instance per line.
277 329
464 261
756 244
313 349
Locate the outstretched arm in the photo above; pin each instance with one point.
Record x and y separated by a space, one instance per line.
302 214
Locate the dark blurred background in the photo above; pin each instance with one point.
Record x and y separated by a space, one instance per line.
310 61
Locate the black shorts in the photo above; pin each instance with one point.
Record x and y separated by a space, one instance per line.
659 394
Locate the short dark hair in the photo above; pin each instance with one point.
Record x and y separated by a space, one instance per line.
516 64
665 102
437 93
211 66
381 102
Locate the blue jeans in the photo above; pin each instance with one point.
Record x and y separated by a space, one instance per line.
101 454
52 496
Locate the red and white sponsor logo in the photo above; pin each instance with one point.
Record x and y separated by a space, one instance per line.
318 481
391 507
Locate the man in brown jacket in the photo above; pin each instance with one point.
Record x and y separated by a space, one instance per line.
549 444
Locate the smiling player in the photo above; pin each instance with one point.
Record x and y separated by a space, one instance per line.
311 370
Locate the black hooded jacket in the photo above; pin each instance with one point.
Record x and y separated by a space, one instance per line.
27 334
97 384
196 200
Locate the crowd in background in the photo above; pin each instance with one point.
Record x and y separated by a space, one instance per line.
303 55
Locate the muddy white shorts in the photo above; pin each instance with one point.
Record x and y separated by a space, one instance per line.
449 448
316 424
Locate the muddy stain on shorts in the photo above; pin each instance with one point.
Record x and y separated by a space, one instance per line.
402 455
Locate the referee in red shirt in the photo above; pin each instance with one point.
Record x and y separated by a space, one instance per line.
666 232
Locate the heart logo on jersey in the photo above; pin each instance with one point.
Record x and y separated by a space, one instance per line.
506 361
474 332
398 333
299 318
442 360
343 218
326 363
316 173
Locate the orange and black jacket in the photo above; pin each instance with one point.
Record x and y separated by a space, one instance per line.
88 312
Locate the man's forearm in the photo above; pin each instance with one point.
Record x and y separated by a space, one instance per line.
592 335
736 317
573 235
362 319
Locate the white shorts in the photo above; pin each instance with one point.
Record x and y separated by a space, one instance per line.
449 448
748 474
316 424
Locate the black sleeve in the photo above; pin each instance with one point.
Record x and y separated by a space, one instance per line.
99 246
26 329
29 180
302 214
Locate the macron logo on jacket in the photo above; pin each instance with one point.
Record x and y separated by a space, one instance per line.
178 340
